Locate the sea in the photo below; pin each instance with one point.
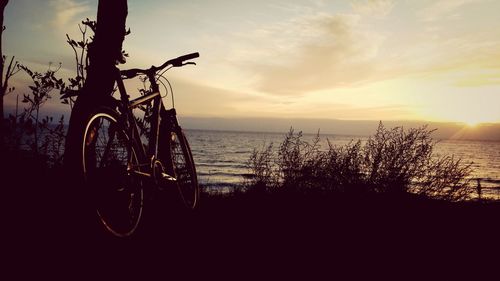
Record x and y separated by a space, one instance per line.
221 157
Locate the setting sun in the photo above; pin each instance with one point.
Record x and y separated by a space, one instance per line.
472 124
474 121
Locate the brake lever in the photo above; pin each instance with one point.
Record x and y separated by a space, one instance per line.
189 62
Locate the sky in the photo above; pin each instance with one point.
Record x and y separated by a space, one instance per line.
428 61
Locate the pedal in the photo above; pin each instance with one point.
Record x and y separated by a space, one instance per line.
167 182
168 177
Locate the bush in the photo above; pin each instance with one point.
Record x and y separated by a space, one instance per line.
394 161
395 158
263 170
31 133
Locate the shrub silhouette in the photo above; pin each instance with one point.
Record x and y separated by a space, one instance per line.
395 161
344 167
395 158
28 131
263 170
446 178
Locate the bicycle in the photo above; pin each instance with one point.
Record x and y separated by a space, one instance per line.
119 167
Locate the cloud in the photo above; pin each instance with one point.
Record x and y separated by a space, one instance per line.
327 51
67 10
479 79
324 52
444 9
469 60
377 8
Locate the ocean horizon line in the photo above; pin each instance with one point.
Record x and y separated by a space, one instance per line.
337 127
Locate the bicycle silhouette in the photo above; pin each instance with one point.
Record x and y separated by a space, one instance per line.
119 166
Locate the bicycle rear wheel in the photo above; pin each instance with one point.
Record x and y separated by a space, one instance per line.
107 157
183 169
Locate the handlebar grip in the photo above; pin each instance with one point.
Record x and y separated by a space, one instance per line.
188 57
180 60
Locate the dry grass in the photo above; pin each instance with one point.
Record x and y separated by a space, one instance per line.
394 161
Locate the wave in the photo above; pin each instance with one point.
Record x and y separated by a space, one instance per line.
220 185
220 174
489 180
217 165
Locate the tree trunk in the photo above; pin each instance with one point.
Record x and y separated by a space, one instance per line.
104 53
3 4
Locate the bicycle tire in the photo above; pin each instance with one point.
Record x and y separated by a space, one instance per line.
181 166
106 157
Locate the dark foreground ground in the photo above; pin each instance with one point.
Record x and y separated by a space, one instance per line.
48 230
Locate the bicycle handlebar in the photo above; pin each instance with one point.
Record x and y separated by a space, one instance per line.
177 62
180 60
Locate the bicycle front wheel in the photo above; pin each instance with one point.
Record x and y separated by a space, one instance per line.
183 169
107 158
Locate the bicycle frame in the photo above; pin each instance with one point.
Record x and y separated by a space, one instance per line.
146 158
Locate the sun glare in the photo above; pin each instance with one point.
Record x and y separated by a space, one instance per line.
472 117
471 124
474 122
